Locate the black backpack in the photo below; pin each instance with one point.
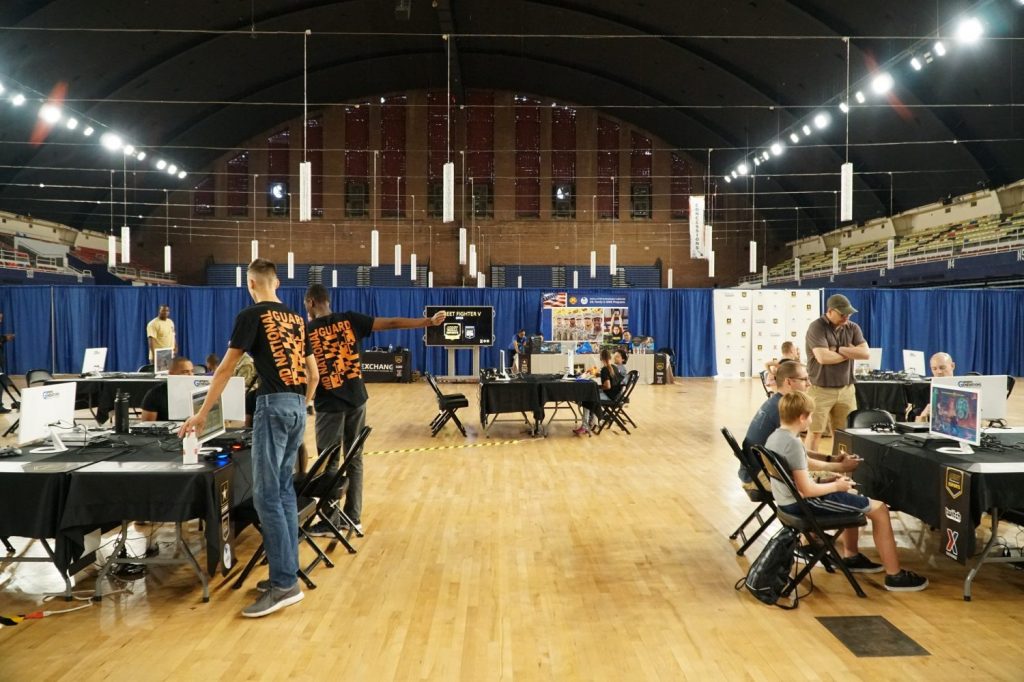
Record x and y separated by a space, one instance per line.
769 574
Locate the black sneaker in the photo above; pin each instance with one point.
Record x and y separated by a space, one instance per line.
905 581
321 529
4 410
859 563
264 585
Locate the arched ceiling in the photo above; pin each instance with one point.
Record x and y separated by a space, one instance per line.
697 74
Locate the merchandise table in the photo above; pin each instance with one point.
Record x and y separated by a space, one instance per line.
530 394
909 479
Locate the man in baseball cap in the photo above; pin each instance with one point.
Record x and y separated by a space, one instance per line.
833 344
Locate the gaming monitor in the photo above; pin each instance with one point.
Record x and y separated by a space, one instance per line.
913 362
214 420
95 360
955 415
162 360
181 387
992 404
464 325
43 410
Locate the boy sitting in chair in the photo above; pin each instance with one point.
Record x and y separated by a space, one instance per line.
836 497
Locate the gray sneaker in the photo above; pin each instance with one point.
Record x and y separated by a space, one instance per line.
274 600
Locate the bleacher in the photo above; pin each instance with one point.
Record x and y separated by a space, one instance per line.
223 274
32 261
560 276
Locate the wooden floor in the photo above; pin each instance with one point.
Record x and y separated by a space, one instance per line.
561 558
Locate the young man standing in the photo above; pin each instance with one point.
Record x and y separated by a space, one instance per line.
335 340
276 339
160 332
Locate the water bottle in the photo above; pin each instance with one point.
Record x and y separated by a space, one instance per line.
121 412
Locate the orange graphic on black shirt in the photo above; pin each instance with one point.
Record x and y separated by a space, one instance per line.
337 357
286 336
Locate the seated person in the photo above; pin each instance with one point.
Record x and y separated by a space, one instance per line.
212 360
791 377
790 352
154 405
836 497
611 384
619 360
942 365
627 340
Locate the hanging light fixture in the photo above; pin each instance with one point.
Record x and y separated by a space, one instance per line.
167 233
711 264
593 236
374 234
412 256
238 255
753 256
670 283
111 250
613 250
448 170
462 246
126 232
334 257
305 168
398 227
430 279
254 250
575 279
472 260
238 276
334 278
481 281
519 281
254 244
291 254
835 260
764 275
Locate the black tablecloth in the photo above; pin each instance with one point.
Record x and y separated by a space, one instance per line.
386 366
908 478
892 396
99 392
531 393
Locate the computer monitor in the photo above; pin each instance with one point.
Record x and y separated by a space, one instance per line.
992 405
913 362
95 360
181 387
955 415
214 420
162 360
44 409
872 364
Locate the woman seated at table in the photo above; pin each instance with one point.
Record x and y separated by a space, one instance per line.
611 384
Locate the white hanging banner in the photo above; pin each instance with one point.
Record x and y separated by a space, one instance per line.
796 270
305 192
835 260
398 260
472 260
575 279
753 256
613 265
890 254
709 244
448 201
126 244
593 264
697 227
481 281
711 263
334 279
412 267
254 250
374 249
111 250
238 276
764 275
167 258
462 246
291 265
430 279
670 284
846 192
519 281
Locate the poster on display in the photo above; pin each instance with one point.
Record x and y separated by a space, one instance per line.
464 325
599 319
732 333
955 522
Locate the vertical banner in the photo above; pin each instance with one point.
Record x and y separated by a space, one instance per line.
955 514
448 200
846 192
753 256
697 227
126 244
732 333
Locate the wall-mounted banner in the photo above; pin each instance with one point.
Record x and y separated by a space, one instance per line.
581 317
697 246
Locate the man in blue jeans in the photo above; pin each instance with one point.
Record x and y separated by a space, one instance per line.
276 339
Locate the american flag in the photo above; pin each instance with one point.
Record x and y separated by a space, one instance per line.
554 300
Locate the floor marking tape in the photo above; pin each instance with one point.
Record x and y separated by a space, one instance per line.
443 447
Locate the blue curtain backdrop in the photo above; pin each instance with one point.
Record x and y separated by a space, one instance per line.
982 329
116 317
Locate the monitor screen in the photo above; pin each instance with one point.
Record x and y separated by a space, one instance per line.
44 406
214 419
993 387
162 360
95 360
464 325
955 413
913 362
872 364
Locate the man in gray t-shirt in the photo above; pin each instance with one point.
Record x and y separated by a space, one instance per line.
833 343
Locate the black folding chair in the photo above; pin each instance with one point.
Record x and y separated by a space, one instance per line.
865 419
764 382
820 545
447 406
306 504
614 411
146 368
758 493
329 490
37 377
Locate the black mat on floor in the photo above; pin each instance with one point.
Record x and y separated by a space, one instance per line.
868 636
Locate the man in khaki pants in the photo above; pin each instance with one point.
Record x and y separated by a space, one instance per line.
833 343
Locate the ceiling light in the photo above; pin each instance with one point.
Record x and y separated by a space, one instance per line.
18 99
111 141
859 96
181 175
49 113
757 161
969 31
728 179
915 64
777 148
88 131
382 100
734 174
940 49
72 123
794 138
141 156
161 164
882 83
821 120
844 107
129 150
766 156
806 129
742 169
172 169
1 87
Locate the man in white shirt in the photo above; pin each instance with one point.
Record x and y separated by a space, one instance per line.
942 365
160 331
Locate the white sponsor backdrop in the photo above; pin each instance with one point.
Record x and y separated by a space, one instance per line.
750 326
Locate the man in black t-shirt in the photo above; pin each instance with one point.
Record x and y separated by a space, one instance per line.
335 339
154 405
276 339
